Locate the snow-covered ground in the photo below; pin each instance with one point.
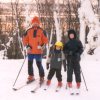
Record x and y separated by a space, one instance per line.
9 70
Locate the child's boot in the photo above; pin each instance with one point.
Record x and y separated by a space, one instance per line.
71 91
78 88
59 84
48 82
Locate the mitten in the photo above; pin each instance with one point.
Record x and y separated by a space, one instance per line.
64 69
47 66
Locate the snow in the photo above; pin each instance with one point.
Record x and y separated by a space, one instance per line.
1 54
88 18
10 68
89 64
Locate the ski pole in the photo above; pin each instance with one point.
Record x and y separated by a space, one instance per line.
19 71
84 80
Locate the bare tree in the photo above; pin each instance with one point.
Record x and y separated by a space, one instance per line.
0 18
15 49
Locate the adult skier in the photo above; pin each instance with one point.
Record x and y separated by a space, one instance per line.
34 39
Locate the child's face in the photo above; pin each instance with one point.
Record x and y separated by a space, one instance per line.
71 35
58 47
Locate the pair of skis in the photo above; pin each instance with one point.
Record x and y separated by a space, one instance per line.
46 88
77 92
40 84
37 87
74 92
24 85
32 91
56 90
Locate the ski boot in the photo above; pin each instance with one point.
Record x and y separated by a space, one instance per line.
69 84
59 84
48 82
41 80
30 79
78 88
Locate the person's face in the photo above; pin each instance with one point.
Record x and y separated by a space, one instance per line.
71 36
35 24
58 47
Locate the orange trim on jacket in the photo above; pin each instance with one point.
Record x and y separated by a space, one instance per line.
35 41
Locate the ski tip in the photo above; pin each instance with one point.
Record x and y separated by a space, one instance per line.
77 93
29 82
87 89
32 91
14 89
56 90
45 89
71 93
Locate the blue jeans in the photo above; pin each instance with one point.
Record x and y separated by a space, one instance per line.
38 58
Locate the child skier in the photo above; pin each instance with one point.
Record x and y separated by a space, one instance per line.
56 58
73 49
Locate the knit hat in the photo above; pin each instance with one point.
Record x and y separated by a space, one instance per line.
71 31
35 20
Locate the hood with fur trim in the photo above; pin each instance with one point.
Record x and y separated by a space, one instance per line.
71 31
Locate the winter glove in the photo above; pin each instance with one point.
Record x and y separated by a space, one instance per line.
64 65
41 47
64 69
28 47
78 56
47 66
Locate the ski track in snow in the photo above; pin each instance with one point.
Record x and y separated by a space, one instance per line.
10 68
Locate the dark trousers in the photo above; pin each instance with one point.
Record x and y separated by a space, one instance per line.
38 63
73 66
58 74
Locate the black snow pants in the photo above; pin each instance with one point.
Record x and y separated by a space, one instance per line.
58 74
40 68
73 65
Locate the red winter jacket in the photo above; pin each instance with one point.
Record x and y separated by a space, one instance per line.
35 37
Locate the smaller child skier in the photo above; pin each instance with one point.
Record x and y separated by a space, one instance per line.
55 60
